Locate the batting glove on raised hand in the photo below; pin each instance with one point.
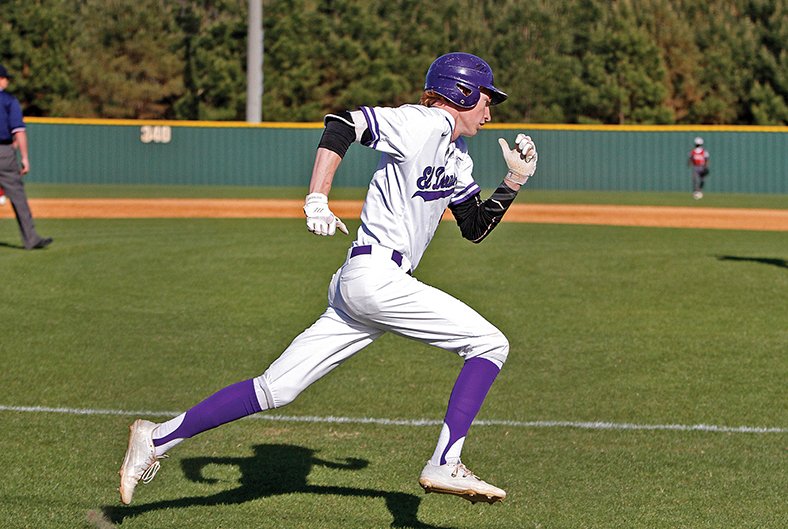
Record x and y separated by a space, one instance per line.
521 160
319 219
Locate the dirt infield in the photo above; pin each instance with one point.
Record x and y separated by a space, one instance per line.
653 216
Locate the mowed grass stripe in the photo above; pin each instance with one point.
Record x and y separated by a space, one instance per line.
586 425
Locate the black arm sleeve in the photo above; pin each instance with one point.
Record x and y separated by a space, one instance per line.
338 133
477 219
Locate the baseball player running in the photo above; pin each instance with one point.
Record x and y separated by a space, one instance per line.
424 168
699 162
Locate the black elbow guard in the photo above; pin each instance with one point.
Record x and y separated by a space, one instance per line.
338 133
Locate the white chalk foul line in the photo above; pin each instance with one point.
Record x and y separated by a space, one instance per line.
591 425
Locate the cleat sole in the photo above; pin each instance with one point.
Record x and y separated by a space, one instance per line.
470 495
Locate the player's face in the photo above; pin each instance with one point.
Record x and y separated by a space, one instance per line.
472 120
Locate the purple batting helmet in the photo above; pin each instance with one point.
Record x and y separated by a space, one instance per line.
459 77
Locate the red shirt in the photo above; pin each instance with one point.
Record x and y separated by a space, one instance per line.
698 156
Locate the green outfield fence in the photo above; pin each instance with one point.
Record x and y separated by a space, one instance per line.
571 157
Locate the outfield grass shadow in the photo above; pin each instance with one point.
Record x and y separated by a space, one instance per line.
774 261
271 471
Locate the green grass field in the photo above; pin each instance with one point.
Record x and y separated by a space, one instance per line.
637 326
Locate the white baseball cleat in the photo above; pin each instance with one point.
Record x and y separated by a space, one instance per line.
140 462
2 200
457 479
697 195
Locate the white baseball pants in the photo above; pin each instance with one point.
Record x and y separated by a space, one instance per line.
369 295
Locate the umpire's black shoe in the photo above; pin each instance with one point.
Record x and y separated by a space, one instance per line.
43 243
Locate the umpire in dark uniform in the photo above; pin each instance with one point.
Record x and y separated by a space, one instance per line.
12 138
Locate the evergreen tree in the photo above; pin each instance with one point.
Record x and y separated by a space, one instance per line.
767 99
623 75
217 65
125 59
674 37
35 37
595 61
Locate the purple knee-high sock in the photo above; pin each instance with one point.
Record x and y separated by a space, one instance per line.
228 404
473 383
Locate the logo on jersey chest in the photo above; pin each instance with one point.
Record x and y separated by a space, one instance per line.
435 184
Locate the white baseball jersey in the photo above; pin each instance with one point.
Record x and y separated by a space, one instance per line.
367 297
421 171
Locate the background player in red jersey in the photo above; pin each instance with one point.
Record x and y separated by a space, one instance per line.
699 162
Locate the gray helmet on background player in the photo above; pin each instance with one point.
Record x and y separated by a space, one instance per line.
698 141
459 77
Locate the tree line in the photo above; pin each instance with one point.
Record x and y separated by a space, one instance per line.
561 61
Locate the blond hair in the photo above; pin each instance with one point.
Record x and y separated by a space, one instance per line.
430 97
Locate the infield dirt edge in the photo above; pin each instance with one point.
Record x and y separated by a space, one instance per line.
611 215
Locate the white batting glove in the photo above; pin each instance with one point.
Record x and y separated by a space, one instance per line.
319 219
521 160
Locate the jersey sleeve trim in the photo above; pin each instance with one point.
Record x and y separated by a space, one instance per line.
372 126
466 194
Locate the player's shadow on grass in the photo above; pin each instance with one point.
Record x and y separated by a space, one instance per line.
9 245
779 263
271 471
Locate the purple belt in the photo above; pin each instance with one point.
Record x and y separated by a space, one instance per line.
367 250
